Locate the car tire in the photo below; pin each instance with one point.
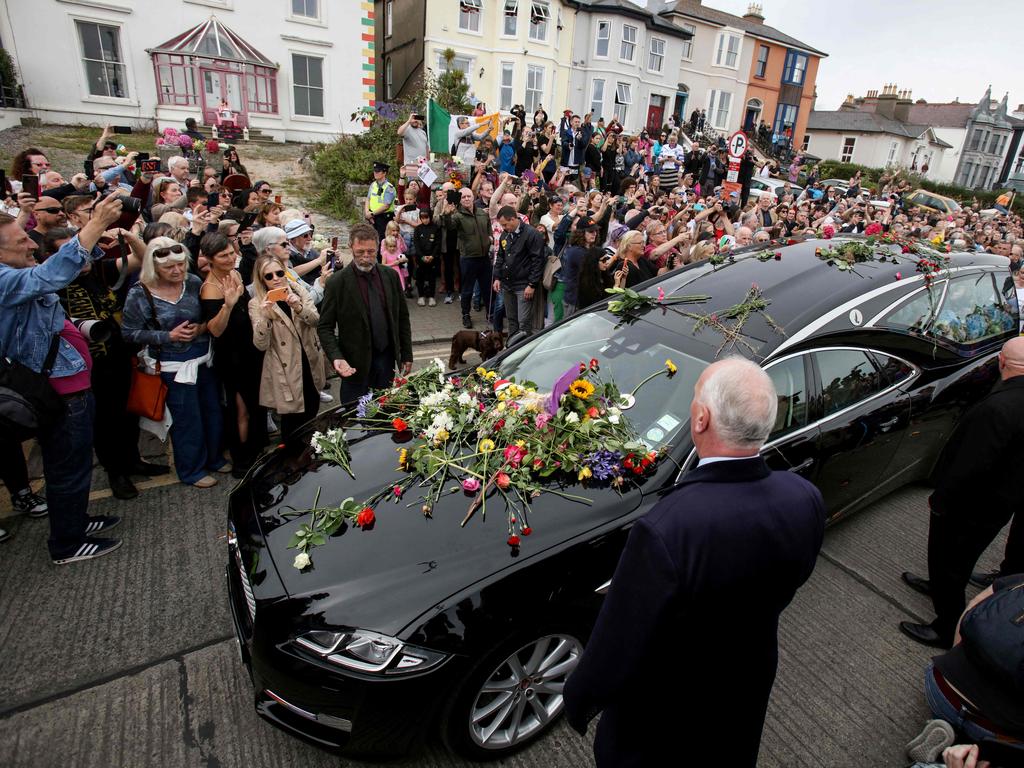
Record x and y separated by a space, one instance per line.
482 724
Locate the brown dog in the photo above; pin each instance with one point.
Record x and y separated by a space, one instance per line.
487 343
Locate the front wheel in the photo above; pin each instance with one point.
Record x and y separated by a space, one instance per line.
511 697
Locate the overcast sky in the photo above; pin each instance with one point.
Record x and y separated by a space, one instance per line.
940 49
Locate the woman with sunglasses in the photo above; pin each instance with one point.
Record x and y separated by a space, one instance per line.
286 330
225 306
232 165
162 313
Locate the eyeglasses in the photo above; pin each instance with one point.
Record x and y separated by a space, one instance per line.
272 275
51 210
282 244
85 210
163 253
265 190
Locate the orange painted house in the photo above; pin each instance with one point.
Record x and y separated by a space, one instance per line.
781 88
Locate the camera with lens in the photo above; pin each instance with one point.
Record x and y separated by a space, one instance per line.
131 205
481 156
96 331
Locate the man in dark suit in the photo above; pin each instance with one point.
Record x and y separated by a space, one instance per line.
364 321
977 491
518 269
683 656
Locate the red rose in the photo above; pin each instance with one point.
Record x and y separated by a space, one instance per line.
538 463
593 364
397 490
499 424
365 517
778 256
638 470
527 531
513 540
514 455
592 412
383 399
502 480
399 425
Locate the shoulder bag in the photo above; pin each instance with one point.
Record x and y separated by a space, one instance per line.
148 393
28 402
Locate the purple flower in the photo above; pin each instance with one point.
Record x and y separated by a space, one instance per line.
361 405
604 464
184 141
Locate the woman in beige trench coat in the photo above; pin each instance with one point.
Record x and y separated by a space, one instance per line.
293 366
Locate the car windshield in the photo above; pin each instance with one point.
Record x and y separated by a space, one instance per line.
628 354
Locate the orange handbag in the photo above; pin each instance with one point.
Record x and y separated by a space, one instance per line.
148 394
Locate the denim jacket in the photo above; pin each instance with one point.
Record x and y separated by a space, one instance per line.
30 311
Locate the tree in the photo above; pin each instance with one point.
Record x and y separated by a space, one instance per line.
450 88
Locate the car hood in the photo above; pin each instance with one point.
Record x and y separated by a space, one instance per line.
385 577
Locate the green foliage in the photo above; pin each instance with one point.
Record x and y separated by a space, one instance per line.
8 73
449 89
349 160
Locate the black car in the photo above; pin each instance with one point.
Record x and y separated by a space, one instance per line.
419 626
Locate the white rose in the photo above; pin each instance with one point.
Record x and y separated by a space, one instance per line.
572 418
614 418
302 560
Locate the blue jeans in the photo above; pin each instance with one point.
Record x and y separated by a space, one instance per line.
943 709
498 311
476 271
198 425
67 467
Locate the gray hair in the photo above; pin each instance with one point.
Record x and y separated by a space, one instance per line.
148 275
175 161
263 238
742 401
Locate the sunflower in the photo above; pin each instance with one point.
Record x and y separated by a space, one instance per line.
582 389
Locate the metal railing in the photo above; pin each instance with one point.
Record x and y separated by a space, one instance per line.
12 97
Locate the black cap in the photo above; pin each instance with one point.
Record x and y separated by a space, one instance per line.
381 167
587 224
110 144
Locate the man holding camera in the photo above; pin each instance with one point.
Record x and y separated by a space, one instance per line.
35 332
413 133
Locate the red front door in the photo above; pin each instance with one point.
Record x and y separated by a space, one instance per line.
222 87
655 117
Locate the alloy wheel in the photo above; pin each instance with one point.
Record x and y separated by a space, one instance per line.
524 693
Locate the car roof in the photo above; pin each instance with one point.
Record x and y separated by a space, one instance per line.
803 291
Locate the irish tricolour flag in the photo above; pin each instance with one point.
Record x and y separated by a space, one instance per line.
443 129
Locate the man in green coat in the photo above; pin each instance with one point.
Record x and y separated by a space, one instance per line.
364 321
473 227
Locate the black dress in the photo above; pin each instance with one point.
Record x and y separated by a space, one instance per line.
239 366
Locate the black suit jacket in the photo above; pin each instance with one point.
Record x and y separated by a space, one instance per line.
683 655
345 320
520 260
977 474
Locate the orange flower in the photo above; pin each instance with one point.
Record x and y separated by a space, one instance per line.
399 425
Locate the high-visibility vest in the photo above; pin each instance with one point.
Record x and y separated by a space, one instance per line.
375 195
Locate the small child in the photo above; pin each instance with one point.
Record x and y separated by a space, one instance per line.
428 246
408 219
392 252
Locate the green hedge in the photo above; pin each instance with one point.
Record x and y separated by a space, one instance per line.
349 160
833 169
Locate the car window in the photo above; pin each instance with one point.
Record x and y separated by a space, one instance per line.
973 311
759 185
893 369
628 353
915 314
791 389
847 377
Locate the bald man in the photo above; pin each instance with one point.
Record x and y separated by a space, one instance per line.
977 491
691 617
49 215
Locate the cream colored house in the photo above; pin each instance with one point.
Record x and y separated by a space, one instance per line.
511 51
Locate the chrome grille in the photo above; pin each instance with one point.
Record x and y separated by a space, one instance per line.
250 599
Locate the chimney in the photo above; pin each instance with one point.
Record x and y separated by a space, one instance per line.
754 13
886 104
903 104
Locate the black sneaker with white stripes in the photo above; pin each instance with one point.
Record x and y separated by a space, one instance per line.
27 503
101 523
89 549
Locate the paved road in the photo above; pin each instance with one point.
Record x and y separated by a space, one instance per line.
130 661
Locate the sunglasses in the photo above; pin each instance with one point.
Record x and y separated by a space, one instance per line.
163 253
50 210
265 191
272 275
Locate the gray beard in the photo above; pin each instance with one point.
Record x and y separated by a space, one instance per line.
362 268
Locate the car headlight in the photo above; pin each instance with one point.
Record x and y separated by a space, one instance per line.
366 651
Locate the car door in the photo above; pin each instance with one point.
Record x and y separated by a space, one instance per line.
792 443
864 418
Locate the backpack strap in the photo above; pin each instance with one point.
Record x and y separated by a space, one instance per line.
157 350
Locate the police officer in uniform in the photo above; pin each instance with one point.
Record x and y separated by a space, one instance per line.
380 200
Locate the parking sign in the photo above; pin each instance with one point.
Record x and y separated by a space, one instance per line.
737 145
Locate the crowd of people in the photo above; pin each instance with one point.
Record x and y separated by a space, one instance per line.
113 283
241 310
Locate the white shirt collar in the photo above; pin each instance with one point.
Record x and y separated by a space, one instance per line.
713 459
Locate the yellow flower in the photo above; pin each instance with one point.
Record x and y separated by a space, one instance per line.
492 375
481 372
500 407
441 436
502 396
403 458
582 389
486 446
585 473
671 367
514 391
